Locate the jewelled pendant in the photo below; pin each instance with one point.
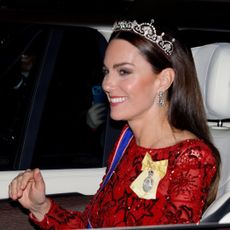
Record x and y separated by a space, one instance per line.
148 182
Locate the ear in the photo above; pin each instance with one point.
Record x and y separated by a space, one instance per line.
166 78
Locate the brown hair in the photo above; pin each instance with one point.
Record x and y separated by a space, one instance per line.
186 109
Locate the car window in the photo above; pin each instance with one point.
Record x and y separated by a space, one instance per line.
21 50
64 139
47 76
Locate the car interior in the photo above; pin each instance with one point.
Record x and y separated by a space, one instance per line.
211 51
212 64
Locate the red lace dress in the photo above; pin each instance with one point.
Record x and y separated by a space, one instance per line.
179 197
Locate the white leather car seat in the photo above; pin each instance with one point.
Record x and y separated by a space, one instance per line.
213 68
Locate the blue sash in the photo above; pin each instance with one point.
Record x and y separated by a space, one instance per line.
122 144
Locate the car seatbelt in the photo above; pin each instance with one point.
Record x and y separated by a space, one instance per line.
219 213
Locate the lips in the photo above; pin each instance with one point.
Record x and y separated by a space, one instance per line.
117 99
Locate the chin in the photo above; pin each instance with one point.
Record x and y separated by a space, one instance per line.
116 117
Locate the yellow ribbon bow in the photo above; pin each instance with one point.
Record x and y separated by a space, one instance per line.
159 167
158 170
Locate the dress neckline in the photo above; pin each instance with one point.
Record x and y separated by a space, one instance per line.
170 147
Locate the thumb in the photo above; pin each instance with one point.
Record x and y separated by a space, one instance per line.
38 179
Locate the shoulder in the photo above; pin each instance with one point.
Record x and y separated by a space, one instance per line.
195 157
196 151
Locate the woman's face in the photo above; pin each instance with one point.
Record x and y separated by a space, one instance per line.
129 82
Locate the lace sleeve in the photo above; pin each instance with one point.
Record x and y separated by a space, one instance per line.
59 218
189 184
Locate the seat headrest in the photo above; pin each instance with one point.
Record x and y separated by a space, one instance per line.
213 69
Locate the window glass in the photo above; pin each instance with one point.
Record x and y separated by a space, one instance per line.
21 51
43 122
64 138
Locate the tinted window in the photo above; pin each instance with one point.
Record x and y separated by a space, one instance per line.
46 79
21 52
65 140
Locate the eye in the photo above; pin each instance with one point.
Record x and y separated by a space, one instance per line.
105 71
123 72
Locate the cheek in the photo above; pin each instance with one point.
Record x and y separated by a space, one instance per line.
141 90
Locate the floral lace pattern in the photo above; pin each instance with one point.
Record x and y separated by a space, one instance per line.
180 197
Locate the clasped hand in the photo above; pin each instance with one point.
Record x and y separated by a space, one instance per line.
28 188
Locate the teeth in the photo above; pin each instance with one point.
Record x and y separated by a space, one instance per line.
117 99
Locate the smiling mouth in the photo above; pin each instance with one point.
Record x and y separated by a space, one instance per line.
117 99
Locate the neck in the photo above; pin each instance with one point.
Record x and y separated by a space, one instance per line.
153 134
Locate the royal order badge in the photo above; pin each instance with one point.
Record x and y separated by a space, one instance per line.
145 185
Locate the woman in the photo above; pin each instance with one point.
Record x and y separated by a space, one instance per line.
164 168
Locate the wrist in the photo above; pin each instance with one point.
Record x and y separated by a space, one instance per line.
40 210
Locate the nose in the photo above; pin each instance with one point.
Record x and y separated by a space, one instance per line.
108 83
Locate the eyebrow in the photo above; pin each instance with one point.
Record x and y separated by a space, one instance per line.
121 64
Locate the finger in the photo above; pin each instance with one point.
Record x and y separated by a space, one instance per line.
11 191
99 122
13 187
38 179
18 183
101 112
21 182
26 178
100 106
102 116
97 107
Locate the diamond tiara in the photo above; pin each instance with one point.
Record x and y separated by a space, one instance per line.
146 30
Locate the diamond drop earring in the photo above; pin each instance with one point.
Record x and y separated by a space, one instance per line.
161 100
